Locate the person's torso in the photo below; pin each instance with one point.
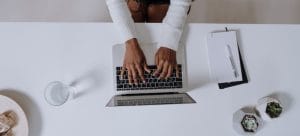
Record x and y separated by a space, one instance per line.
154 1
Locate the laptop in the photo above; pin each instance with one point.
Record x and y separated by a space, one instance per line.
155 91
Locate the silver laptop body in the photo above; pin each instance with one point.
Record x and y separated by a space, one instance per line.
149 96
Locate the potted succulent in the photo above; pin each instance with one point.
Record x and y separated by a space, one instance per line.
269 108
249 123
246 121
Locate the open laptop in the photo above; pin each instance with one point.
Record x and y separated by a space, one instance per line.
154 91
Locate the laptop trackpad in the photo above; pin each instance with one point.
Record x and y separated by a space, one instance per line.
150 99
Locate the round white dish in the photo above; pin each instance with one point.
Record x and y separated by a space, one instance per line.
8 104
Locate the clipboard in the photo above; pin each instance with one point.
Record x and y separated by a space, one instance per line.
226 64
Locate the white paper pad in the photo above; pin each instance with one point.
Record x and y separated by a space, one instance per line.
223 55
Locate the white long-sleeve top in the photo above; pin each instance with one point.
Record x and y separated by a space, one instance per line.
172 24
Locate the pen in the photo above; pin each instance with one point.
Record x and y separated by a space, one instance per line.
230 56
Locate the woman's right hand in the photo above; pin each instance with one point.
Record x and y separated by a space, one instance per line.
134 62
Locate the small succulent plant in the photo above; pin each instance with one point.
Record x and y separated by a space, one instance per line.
249 123
273 109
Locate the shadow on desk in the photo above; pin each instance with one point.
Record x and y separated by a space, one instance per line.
87 82
30 108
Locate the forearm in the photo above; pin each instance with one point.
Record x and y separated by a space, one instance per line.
122 19
173 23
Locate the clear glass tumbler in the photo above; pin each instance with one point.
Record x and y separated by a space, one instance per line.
57 93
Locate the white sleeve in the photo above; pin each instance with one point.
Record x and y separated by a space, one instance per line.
173 24
122 19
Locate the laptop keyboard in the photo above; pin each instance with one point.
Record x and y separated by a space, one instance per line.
150 101
152 82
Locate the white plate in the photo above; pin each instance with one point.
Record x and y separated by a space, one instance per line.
7 104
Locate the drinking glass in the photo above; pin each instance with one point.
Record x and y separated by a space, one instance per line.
57 93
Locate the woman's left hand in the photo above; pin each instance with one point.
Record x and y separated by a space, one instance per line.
165 60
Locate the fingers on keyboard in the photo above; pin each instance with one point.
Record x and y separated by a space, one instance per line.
152 82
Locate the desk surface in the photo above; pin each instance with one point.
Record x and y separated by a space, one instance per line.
34 54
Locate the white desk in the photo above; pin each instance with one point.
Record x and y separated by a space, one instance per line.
33 54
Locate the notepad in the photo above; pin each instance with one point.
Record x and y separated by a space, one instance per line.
223 55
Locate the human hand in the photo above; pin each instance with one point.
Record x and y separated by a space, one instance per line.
165 60
134 62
